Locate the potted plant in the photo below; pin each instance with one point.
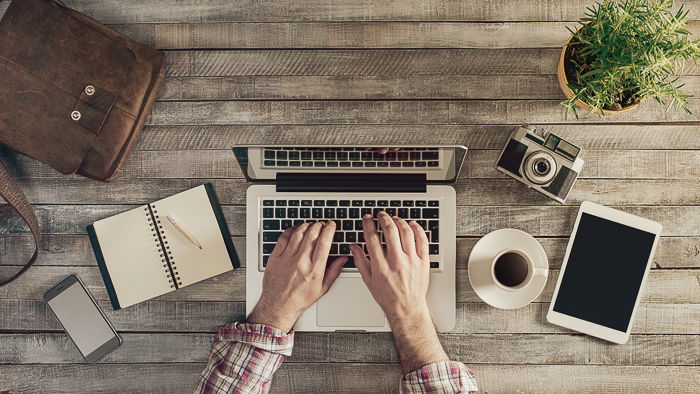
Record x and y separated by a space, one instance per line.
623 52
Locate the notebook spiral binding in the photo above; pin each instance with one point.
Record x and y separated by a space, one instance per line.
161 241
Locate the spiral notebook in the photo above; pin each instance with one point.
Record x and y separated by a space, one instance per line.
142 255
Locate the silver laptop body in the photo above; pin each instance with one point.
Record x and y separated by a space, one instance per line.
294 184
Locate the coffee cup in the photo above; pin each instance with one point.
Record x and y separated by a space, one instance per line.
514 269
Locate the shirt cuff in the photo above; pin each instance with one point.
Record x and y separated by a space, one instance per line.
259 335
442 377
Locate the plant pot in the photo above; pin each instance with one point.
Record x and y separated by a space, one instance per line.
563 83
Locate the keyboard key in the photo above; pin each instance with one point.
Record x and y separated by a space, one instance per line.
286 224
268 203
268 212
433 164
357 164
431 213
403 213
390 211
382 164
334 249
319 203
269 163
408 203
307 164
354 155
435 236
351 237
282 163
348 224
415 156
271 224
293 213
338 237
332 203
360 237
403 156
341 213
306 155
358 225
318 155
395 164
370 164
365 211
421 203
434 264
330 155
265 260
356 203
294 163
421 164
433 225
382 203
305 213
423 224
332 164
434 248
306 203
342 156
344 249
407 164
344 203
433 203
269 154
280 213
293 203
354 213
298 222
294 155
430 156
329 213
281 203
281 155
268 248
376 211
271 236
415 213
319 164
317 213
395 203
370 203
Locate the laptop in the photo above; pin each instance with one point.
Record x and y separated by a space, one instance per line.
297 184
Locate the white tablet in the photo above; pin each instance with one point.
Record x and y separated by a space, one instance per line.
604 269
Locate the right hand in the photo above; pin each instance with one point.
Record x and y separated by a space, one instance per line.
397 276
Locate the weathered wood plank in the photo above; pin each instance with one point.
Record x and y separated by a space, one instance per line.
370 87
395 112
359 35
207 316
351 378
75 250
173 11
56 348
369 62
473 136
547 221
661 165
663 286
501 191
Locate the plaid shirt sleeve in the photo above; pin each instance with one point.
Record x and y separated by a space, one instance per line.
442 377
243 359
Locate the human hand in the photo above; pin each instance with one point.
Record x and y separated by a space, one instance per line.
296 275
384 151
397 277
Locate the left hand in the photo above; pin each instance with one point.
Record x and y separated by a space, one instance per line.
296 275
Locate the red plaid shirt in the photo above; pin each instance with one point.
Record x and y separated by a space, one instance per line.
245 356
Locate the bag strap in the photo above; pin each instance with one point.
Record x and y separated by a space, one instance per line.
11 192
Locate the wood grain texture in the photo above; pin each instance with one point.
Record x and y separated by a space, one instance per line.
638 136
353 378
680 286
369 62
207 316
74 250
393 112
174 11
357 35
513 349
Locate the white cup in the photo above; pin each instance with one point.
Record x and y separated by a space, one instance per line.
532 271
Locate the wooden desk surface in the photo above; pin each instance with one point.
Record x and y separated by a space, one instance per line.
348 71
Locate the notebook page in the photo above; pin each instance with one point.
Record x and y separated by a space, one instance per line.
132 257
193 211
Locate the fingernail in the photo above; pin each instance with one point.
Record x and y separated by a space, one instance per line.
396 218
366 216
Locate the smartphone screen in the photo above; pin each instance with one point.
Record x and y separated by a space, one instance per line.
82 319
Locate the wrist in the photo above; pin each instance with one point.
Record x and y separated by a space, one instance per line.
409 317
269 315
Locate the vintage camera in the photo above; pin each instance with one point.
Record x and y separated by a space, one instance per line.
542 161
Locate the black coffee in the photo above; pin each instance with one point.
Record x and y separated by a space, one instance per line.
510 269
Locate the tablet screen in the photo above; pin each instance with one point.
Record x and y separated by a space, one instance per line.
604 272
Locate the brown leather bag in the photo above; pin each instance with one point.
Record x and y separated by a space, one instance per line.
74 94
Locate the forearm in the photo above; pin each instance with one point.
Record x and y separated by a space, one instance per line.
416 340
243 358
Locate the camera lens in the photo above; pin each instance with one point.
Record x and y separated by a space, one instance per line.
541 166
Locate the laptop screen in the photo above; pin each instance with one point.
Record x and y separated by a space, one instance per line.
439 164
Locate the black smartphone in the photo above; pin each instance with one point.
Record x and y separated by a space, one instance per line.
82 319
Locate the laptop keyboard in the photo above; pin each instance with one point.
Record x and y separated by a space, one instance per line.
350 158
278 215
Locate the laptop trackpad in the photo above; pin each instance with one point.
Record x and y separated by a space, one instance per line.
349 303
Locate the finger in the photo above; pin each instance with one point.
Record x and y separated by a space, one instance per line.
282 242
395 149
408 240
374 246
421 241
332 272
383 151
391 233
296 238
358 254
323 244
310 237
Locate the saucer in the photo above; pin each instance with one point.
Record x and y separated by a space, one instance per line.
483 255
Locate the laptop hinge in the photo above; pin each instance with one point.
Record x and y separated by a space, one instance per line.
340 182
